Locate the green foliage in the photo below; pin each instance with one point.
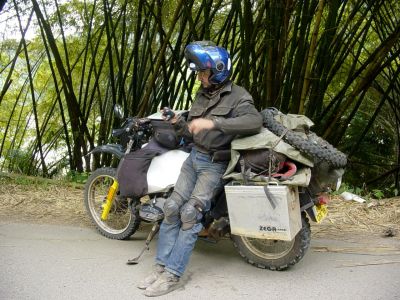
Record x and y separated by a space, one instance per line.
386 192
77 177
39 182
378 194
345 187
368 194
109 54
21 161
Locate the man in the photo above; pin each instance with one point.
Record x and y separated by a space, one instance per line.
220 111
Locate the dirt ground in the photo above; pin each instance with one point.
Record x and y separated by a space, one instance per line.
53 202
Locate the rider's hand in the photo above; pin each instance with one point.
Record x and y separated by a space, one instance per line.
173 120
199 124
168 115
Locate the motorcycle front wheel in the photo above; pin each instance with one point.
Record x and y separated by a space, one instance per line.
274 254
123 218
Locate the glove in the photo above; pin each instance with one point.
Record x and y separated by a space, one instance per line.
167 114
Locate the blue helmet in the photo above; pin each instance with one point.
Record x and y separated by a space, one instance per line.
205 55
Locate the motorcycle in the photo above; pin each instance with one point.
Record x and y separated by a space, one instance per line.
263 245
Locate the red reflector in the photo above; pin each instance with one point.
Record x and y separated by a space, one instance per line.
323 199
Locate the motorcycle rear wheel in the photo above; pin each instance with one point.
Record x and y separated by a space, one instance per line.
273 254
123 218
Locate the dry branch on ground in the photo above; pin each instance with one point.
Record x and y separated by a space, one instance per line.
376 217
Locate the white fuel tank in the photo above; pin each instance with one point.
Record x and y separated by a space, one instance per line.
164 170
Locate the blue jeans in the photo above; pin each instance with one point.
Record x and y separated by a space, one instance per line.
200 179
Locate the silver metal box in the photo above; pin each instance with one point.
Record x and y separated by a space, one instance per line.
264 212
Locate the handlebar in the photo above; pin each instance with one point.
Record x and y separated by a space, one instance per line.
131 125
118 132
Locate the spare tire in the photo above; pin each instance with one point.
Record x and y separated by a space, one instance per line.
313 145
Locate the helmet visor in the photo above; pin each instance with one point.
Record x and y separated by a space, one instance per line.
197 57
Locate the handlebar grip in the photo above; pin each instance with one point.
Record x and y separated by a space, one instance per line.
118 132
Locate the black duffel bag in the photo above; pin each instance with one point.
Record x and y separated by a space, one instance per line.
133 167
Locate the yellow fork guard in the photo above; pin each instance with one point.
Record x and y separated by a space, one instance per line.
110 198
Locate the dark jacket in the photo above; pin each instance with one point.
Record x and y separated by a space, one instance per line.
232 111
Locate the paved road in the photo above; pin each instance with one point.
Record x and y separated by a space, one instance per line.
60 262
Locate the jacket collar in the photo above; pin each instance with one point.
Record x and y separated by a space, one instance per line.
215 98
227 87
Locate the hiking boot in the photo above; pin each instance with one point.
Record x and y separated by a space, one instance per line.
151 278
203 233
165 284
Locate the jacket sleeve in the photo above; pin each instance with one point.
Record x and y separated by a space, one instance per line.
182 130
247 120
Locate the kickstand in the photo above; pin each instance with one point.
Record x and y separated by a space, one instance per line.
153 232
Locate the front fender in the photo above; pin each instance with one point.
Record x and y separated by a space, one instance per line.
114 149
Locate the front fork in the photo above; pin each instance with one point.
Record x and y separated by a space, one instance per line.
113 189
109 200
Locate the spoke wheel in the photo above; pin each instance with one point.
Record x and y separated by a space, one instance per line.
123 219
274 254
268 249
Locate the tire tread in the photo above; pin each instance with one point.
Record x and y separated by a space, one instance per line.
305 237
314 146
